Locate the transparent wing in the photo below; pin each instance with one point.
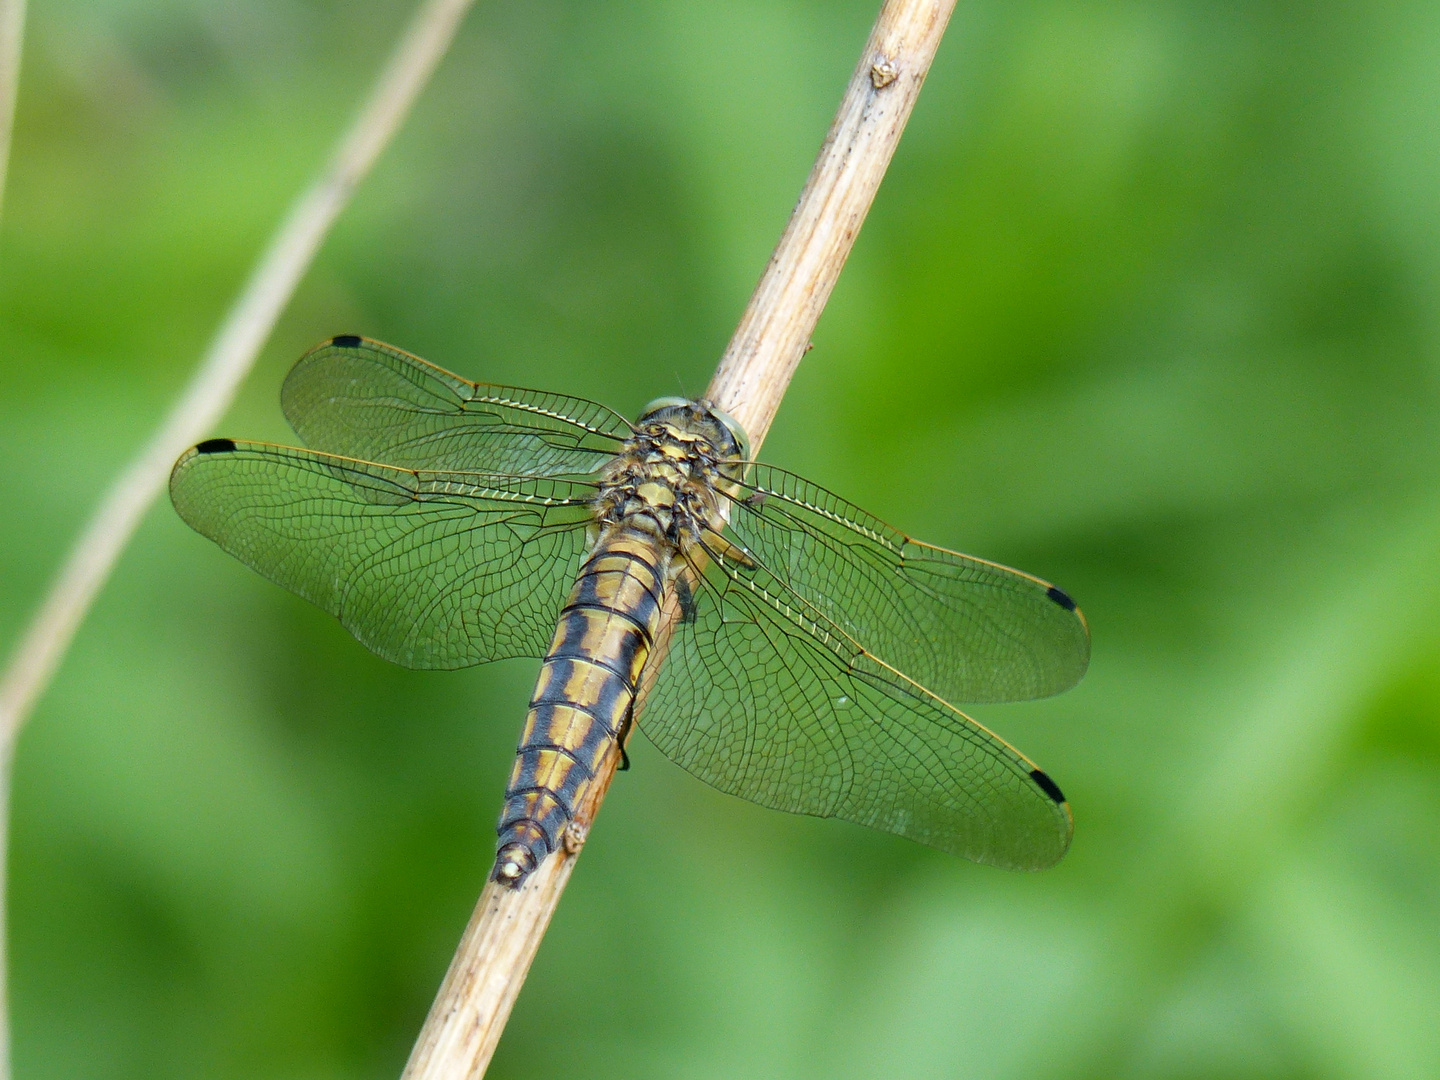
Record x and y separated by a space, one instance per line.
764 697
967 629
427 569
361 399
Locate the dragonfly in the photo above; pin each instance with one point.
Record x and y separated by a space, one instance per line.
770 638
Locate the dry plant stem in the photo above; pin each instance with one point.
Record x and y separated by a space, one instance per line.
775 330
12 35
504 933
228 359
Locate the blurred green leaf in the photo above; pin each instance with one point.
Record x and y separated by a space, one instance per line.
1149 305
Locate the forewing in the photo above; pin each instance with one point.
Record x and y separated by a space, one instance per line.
967 629
427 569
358 398
764 698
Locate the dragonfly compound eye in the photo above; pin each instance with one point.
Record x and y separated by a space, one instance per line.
702 420
735 431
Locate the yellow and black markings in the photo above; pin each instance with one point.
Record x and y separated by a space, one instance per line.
582 698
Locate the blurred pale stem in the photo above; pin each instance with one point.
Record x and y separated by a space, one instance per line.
226 363
494 955
12 36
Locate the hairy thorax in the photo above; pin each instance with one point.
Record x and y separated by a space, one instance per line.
670 477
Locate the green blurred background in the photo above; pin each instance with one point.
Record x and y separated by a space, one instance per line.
1149 305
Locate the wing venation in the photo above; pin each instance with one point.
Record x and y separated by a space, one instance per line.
764 697
363 399
966 629
429 569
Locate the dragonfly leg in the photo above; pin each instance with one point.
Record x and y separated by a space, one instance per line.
623 736
686 596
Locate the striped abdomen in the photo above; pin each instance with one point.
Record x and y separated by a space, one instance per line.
582 698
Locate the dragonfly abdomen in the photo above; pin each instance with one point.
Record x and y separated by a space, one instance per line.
582 698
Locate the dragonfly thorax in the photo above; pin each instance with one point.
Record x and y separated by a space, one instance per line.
670 475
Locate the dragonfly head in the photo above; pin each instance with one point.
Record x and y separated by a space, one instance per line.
720 429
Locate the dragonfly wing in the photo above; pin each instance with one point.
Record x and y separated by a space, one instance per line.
763 697
968 629
427 569
361 399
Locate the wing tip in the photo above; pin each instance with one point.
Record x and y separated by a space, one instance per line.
1066 602
201 449
1047 785
338 341
1061 597
1065 825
